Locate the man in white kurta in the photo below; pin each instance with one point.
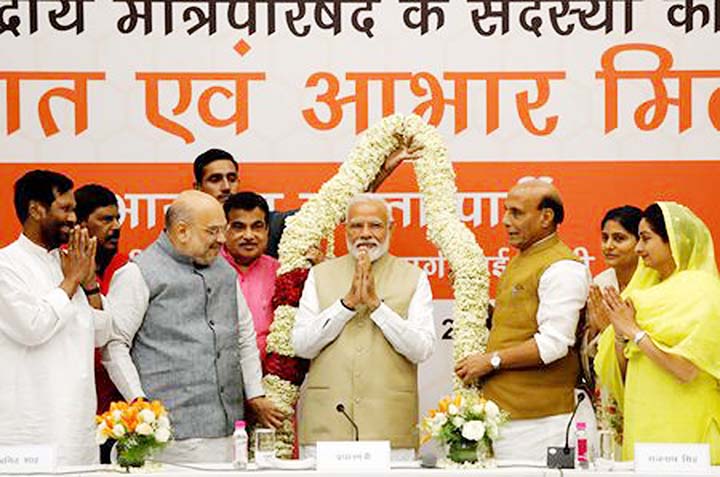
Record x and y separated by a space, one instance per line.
48 332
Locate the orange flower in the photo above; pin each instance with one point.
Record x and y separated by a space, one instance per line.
157 408
109 422
118 406
130 422
458 400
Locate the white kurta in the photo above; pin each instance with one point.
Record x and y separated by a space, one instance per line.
413 337
47 381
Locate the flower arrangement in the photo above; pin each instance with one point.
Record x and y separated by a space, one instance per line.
317 220
466 424
609 415
139 428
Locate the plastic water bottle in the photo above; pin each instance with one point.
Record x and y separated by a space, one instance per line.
240 446
582 457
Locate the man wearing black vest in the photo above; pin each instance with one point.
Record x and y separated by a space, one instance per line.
530 367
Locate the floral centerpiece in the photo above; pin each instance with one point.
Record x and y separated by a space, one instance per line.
140 428
609 415
317 220
466 424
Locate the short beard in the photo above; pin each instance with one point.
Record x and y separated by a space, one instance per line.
374 253
52 237
103 257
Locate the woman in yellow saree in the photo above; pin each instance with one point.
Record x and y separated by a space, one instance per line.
661 356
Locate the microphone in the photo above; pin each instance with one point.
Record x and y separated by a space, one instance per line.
340 407
564 457
581 398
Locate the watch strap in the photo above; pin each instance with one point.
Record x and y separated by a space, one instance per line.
92 291
639 337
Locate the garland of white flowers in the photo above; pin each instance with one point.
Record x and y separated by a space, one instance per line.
321 214
436 181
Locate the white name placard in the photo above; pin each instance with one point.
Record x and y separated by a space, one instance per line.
38 458
353 455
672 457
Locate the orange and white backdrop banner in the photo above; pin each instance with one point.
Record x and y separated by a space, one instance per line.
615 101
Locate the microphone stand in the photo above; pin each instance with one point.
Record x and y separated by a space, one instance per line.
341 409
564 457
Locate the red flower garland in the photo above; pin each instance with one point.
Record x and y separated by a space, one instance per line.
288 289
287 368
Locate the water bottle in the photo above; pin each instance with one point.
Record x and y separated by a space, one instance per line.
240 446
582 457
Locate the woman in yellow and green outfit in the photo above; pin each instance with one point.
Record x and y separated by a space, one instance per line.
661 357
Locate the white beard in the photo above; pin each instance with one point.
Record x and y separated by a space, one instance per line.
374 253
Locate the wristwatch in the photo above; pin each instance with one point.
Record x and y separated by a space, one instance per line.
495 360
639 336
92 291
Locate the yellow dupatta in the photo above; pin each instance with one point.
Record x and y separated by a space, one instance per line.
681 314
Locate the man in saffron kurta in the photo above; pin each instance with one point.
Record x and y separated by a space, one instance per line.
365 321
530 367
247 214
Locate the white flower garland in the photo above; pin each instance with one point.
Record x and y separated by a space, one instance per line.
321 214
436 181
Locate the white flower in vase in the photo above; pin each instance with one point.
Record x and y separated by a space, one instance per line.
163 422
144 429
162 434
473 430
458 421
492 411
118 431
146 415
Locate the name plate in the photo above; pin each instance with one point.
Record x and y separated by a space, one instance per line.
353 455
672 457
30 458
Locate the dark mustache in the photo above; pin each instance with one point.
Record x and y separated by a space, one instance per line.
115 234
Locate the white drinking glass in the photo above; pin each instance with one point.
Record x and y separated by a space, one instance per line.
606 453
264 447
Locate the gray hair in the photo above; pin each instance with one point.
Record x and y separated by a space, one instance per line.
177 212
186 205
368 197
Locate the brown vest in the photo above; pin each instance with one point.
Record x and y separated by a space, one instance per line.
360 369
544 390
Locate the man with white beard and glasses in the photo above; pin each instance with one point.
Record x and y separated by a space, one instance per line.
366 307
